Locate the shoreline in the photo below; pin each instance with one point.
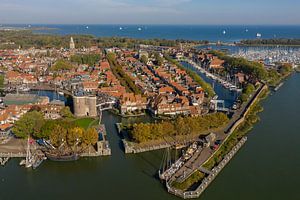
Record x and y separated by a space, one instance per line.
217 167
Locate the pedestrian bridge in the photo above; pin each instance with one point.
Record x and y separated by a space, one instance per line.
106 105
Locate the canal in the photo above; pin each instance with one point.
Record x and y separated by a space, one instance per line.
265 168
228 96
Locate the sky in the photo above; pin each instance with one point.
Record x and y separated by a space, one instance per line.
214 12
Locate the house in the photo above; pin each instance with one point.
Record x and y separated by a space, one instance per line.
52 111
13 77
240 77
130 102
90 86
5 129
169 105
166 90
217 64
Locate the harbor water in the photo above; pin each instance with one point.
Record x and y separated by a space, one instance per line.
265 168
229 97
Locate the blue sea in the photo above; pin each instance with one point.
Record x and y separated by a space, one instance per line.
225 33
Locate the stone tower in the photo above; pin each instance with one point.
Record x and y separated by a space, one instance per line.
85 106
72 43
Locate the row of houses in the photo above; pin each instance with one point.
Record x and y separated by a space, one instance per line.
166 89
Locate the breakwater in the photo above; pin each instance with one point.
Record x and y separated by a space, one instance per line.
129 148
207 180
216 170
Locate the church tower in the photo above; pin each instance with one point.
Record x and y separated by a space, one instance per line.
72 44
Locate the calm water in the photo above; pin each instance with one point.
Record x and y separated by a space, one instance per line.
228 96
267 167
191 32
51 94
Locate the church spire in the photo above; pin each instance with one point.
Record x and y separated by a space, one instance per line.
72 43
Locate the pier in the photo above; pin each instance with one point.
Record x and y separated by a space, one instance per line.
209 179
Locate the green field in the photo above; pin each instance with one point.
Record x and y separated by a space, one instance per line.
85 122
196 177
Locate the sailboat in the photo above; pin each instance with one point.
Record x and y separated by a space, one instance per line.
224 32
29 158
169 168
258 35
57 155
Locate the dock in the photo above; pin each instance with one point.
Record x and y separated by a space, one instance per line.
197 164
211 175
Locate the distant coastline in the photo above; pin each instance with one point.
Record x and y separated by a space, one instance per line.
12 28
213 33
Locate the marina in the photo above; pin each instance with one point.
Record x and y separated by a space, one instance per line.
226 84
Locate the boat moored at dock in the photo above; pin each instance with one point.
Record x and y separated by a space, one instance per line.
62 157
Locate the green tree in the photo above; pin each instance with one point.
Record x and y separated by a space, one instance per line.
74 136
159 60
90 137
144 59
58 136
89 59
66 112
61 65
141 132
29 125
249 89
285 69
181 127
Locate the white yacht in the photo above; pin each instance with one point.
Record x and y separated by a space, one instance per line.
258 35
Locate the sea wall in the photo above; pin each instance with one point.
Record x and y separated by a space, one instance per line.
206 181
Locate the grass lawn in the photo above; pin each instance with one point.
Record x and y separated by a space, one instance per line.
193 179
84 122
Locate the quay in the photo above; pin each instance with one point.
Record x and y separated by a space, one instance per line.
189 168
132 149
5 157
211 176
16 148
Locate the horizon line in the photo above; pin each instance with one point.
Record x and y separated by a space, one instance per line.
148 24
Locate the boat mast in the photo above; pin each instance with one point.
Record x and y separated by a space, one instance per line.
28 153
